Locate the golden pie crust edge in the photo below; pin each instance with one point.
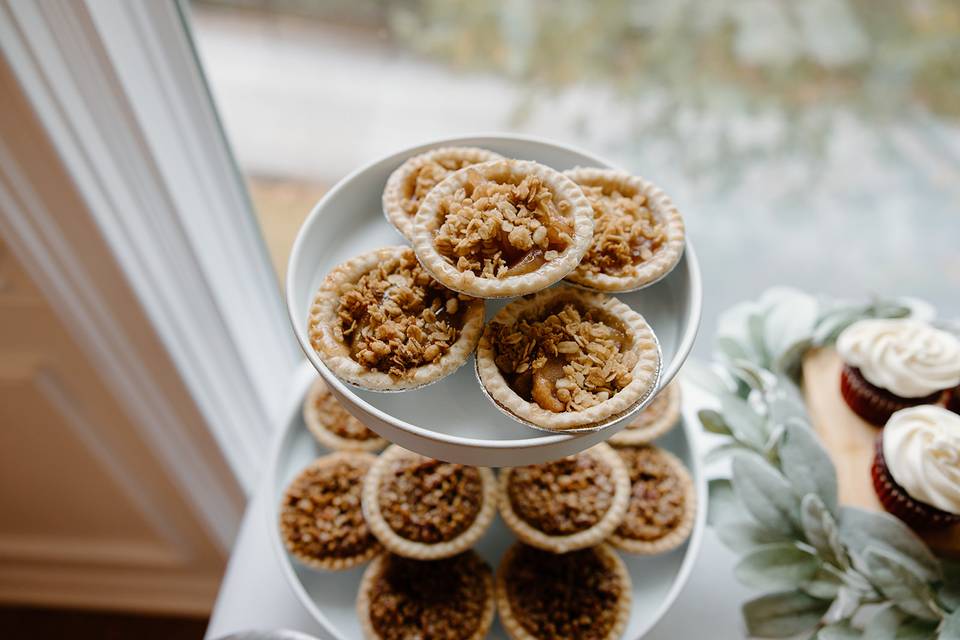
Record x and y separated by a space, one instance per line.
645 373
515 629
393 192
596 534
426 223
329 564
680 534
642 435
327 438
370 576
336 355
662 207
420 550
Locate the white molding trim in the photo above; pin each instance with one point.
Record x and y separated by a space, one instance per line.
118 91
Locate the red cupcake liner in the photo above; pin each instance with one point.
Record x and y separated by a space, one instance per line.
870 402
953 400
896 500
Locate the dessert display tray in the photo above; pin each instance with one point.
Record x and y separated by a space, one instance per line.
452 419
330 597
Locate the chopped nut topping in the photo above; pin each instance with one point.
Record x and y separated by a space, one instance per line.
433 600
568 361
652 412
338 420
321 515
501 229
625 233
425 500
657 498
396 317
562 497
425 177
574 595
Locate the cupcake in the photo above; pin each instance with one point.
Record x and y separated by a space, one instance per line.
426 509
333 426
662 506
583 594
656 419
321 522
953 400
916 467
567 504
401 598
891 365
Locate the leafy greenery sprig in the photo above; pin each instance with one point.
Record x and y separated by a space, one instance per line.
835 572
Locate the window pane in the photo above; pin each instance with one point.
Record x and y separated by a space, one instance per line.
812 143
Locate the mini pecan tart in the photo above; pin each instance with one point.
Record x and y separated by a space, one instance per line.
333 426
585 594
568 504
654 420
448 599
414 179
638 235
426 509
568 359
503 228
321 520
663 503
379 321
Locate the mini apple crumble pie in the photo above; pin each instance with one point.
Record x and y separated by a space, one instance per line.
381 322
425 509
333 426
503 228
566 359
662 504
414 179
449 599
570 503
584 594
654 420
638 235
321 521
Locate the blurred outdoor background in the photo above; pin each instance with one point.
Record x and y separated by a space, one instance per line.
813 143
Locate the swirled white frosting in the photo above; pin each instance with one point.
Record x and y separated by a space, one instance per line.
906 357
921 446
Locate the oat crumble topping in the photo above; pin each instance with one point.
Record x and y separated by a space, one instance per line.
432 600
562 497
501 229
338 420
428 501
625 234
570 360
396 317
321 515
425 177
574 595
657 498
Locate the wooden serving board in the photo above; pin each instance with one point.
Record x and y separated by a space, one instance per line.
850 442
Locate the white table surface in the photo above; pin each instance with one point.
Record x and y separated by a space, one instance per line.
255 595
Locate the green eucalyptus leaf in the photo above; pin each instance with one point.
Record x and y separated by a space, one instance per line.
784 405
844 605
884 624
724 451
839 631
830 326
949 591
746 424
702 375
824 584
900 584
790 361
730 348
781 615
807 465
723 504
743 535
765 493
951 627
713 422
915 629
860 528
776 566
750 374
820 530
756 333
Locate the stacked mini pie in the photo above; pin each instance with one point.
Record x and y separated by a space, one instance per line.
903 375
483 226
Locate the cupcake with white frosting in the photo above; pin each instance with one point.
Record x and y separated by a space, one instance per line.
891 365
916 467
